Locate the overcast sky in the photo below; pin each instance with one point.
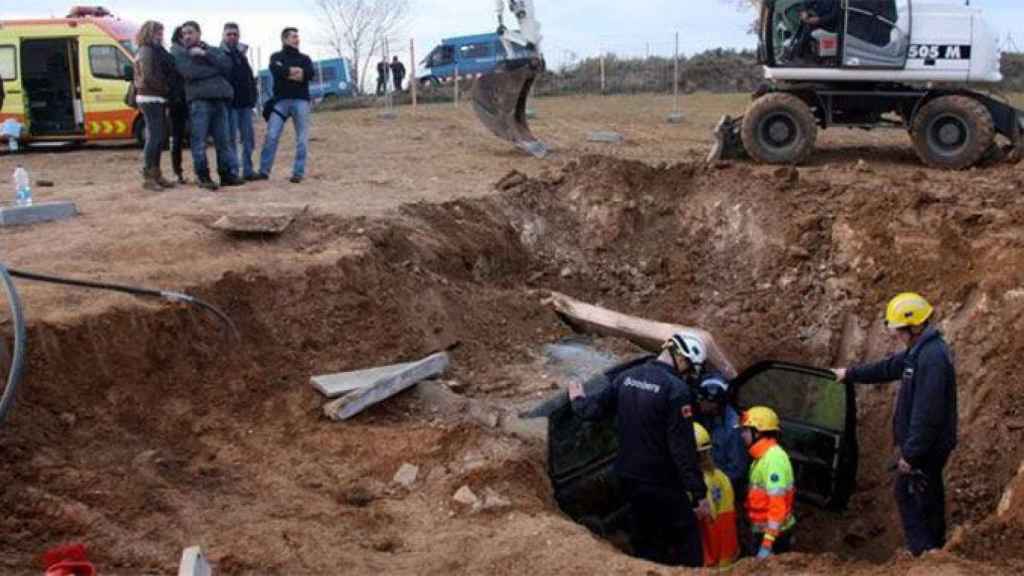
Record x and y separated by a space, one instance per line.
572 28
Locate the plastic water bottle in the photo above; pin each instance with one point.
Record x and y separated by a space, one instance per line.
22 187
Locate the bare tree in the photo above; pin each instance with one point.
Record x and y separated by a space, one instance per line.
361 28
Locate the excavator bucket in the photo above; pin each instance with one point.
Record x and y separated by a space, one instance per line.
499 99
728 143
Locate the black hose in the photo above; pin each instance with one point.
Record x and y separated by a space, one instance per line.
20 336
20 333
134 291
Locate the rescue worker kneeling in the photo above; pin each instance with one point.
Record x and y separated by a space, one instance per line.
718 528
771 490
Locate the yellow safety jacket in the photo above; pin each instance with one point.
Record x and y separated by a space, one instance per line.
718 533
771 492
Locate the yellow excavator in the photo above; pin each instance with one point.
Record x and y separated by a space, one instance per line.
499 97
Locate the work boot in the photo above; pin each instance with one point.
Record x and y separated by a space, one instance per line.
204 181
149 181
231 180
163 182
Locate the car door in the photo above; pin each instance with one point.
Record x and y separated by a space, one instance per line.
14 102
105 83
877 34
819 425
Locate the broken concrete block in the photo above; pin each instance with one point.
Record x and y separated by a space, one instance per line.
194 563
675 118
335 385
38 212
466 497
406 475
606 137
252 224
386 387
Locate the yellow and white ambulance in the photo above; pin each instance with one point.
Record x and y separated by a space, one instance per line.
66 79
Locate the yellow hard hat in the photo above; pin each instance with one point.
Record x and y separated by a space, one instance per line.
761 418
907 309
703 438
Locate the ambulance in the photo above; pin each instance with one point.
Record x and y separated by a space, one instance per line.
65 79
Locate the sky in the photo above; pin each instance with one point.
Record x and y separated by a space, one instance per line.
572 29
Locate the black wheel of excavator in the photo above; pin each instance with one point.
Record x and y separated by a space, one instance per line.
779 128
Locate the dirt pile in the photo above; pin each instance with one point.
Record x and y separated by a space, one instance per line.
140 432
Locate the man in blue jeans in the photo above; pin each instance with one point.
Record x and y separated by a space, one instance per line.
292 71
206 70
240 109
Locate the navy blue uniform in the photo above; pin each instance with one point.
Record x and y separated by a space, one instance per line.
925 431
827 11
657 458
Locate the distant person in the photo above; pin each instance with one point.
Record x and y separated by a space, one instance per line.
177 111
153 67
243 81
292 71
397 73
382 77
206 70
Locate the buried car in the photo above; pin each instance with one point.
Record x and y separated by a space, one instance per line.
818 417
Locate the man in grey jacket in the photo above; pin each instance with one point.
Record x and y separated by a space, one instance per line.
206 70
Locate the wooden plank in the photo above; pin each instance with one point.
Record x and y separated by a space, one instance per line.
335 385
194 563
348 406
648 334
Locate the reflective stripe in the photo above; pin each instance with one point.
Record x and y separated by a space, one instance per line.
780 491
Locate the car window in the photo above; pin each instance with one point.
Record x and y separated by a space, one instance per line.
107 62
329 74
8 63
872 20
574 443
801 395
475 51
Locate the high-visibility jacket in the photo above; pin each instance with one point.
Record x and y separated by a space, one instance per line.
718 533
771 491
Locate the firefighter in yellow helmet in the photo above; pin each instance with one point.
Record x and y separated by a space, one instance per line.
771 488
925 422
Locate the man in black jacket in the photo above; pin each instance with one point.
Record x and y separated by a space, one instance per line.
240 110
206 70
382 77
397 73
657 463
925 421
292 72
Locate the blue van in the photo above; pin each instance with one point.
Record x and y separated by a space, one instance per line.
333 80
476 54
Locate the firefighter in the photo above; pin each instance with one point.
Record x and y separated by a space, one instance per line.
771 489
657 463
925 422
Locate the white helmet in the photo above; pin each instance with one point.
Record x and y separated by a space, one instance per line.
690 347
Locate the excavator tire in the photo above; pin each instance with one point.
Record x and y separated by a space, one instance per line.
953 132
779 128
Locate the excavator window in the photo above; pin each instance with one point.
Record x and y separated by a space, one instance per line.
872 21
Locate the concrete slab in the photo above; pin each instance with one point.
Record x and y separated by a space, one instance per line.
194 563
254 224
335 385
348 406
11 215
606 137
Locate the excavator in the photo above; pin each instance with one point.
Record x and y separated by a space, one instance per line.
865 64
869 64
499 97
